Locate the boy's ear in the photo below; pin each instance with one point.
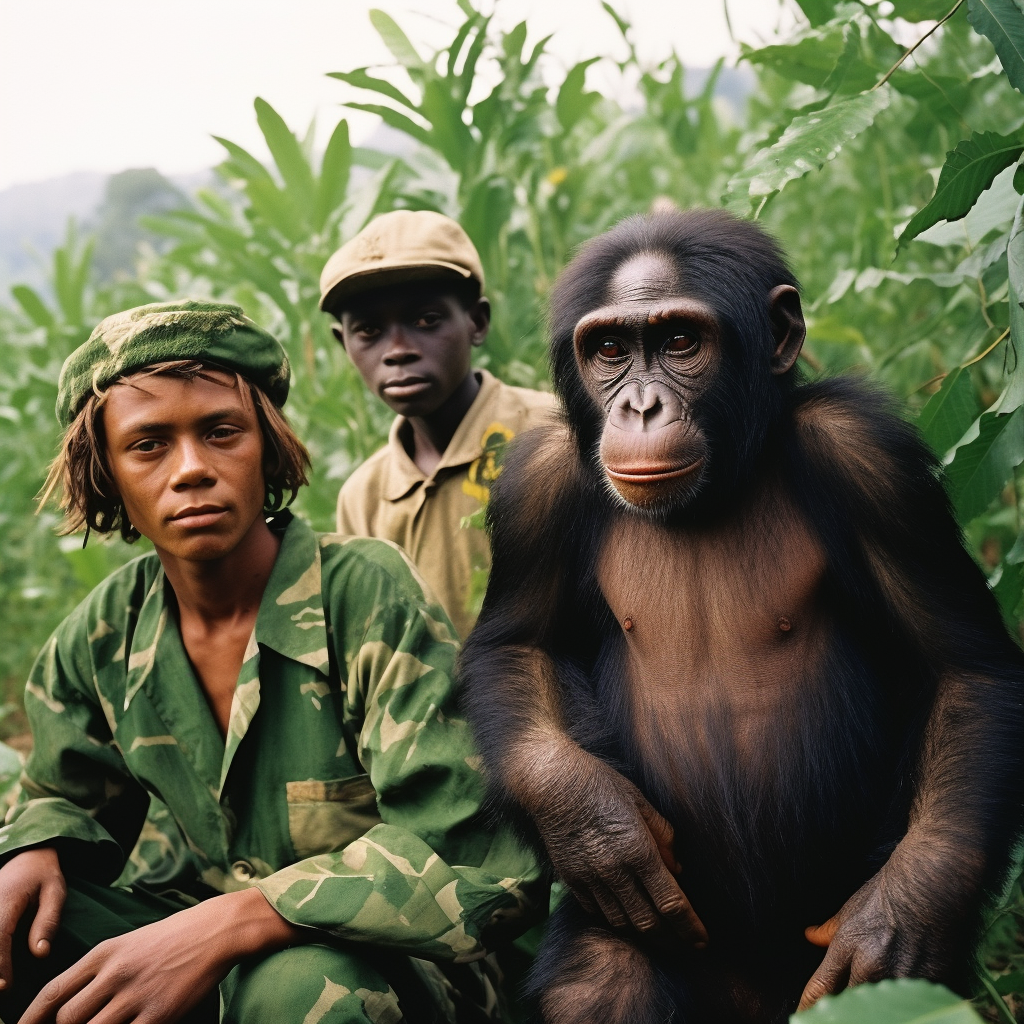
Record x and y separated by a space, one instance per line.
480 314
338 333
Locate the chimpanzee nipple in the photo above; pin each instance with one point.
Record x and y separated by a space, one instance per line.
785 625
627 625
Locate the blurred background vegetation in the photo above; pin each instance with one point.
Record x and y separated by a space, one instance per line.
891 177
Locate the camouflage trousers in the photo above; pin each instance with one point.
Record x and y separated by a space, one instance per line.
309 984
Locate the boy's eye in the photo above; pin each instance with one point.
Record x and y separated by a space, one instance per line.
146 446
430 319
221 432
366 330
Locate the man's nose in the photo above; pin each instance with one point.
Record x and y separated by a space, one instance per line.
398 349
191 467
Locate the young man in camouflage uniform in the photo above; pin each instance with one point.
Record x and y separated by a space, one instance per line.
289 698
408 294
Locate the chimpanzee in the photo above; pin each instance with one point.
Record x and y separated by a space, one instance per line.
735 670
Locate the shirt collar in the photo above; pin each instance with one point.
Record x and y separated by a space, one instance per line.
290 619
404 475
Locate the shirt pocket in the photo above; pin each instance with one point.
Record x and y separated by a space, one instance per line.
327 816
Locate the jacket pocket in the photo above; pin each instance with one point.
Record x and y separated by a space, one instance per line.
327 816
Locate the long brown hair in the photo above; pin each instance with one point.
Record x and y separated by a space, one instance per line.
89 498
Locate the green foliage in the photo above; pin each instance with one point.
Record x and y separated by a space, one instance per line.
889 176
891 1002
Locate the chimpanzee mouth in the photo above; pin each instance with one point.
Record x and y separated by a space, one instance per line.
652 474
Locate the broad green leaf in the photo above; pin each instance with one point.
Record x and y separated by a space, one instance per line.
817 12
921 10
810 60
288 155
34 307
1003 23
573 103
334 172
949 412
969 169
806 145
995 208
449 133
395 40
981 467
902 1001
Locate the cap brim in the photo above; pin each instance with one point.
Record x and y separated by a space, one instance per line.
383 276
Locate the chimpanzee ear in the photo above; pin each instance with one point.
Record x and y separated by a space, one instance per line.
788 327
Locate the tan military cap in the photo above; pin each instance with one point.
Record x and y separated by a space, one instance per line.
399 246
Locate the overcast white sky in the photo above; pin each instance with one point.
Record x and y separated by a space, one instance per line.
102 85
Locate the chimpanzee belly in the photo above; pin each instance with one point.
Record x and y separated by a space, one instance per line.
752 720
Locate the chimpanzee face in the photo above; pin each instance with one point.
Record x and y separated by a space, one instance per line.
646 357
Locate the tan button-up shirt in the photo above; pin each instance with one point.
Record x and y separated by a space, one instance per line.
389 497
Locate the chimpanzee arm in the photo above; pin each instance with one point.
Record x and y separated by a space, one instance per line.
873 489
603 838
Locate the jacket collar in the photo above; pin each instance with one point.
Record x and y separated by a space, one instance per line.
403 475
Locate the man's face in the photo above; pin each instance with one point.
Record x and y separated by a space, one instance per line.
187 459
412 343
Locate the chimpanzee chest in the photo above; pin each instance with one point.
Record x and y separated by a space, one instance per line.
717 622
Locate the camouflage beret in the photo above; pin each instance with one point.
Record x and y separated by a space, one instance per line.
212 332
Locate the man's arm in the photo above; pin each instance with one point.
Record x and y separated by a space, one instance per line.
433 879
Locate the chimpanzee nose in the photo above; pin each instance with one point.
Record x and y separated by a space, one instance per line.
644 405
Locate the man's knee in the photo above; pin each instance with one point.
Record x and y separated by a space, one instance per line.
311 984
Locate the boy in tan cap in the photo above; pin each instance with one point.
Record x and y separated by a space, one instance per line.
408 294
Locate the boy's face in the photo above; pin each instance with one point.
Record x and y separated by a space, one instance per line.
412 343
187 459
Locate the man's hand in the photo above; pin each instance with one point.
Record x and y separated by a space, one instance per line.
908 921
30 879
610 846
159 972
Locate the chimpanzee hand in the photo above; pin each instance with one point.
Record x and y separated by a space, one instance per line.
611 847
901 923
32 878
159 972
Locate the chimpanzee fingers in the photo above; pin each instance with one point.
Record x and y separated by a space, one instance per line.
610 907
661 832
52 894
832 976
672 906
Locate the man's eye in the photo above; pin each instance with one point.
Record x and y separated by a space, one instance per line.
681 344
367 330
146 446
428 320
219 433
610 348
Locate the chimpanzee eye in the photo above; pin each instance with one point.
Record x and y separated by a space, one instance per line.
610 348
681 344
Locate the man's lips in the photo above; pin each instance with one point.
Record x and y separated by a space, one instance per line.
200 515
652 474
405 387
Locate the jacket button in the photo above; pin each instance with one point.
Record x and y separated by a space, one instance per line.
243 871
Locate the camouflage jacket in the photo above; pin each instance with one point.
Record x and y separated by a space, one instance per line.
348 788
